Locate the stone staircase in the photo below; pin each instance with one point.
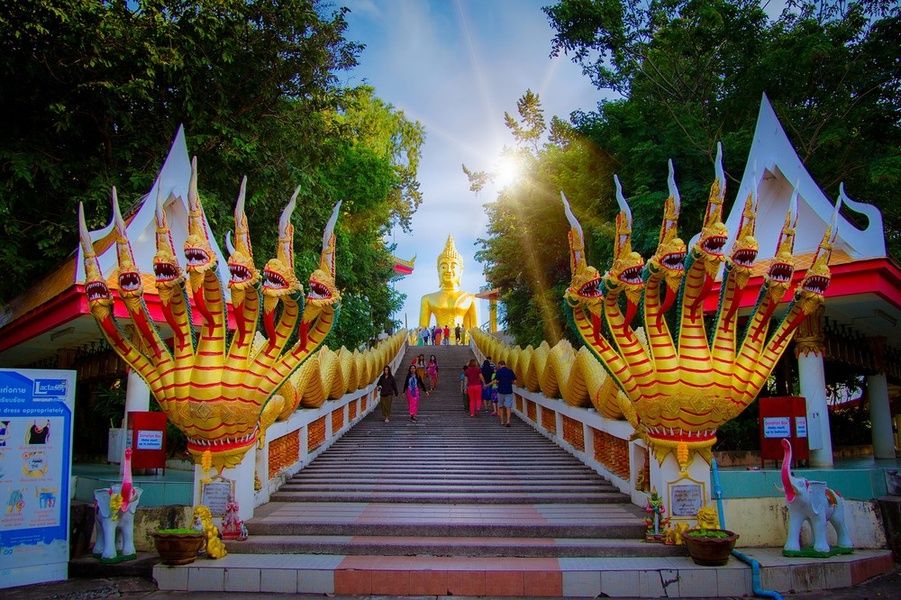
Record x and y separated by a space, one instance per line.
447 485
454 505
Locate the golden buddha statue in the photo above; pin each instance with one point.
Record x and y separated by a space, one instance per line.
450 305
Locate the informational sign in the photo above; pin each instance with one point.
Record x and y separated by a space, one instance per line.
801 427
777 427
215 494
35 464
149 440
686 499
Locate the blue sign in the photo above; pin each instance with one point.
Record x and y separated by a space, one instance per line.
35 465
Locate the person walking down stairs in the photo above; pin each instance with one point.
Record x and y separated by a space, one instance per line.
412 387
387 392
474 383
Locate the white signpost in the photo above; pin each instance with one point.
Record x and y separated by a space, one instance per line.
36 409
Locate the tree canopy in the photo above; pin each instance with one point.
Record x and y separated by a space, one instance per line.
691 73
92 91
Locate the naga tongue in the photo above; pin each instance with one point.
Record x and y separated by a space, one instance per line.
668 301
631 309
596 328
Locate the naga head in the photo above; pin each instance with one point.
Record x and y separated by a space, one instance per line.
244 274
712 241
744 250
812 288
279 279
323 291
669 259
778 277
585 284
100 301
625 273
131 288
168 273
198 250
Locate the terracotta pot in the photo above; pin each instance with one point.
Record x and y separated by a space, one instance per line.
178 548
710 551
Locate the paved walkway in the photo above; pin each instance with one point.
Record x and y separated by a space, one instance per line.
135 588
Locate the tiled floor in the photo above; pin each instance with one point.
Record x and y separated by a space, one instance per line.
538 577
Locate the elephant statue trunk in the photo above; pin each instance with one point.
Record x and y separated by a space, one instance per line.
812 501
116 507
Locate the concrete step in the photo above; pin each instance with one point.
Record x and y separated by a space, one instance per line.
444 497
449 546
557 520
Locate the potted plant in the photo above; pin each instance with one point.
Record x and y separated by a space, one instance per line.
178 546
710 547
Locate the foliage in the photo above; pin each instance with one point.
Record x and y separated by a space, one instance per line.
93 90
525 252
719 534
691 73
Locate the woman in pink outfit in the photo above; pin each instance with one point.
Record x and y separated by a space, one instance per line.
412 386
432 371
474 382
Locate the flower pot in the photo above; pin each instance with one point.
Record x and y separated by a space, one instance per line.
178 547
710 547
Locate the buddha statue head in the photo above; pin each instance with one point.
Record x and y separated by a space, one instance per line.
450 266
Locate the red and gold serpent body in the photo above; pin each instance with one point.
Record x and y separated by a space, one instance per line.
222 398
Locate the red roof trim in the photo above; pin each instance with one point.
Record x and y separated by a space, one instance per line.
879 276
72 304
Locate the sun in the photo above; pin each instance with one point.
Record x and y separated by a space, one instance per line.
508 170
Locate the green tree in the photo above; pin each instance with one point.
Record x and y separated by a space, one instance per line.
691 73
91 92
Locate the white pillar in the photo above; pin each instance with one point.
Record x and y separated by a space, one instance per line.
880 416
813 388
137 394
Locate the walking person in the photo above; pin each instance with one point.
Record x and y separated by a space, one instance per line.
474 382
412 387
387 392
458 334
487 381
446 335
463 387
505 378
420 365
432 372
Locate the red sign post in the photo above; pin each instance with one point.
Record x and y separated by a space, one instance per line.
783 417
148 439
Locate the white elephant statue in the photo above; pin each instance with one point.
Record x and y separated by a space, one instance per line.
813 501
116 506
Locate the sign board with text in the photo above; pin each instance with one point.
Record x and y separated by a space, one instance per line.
783 418
686 497
214 495
36 408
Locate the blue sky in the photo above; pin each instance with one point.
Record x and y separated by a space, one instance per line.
456 66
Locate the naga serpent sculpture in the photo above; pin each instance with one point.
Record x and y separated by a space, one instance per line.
220 393
674 387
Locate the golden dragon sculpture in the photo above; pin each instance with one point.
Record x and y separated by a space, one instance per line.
221 395
675 387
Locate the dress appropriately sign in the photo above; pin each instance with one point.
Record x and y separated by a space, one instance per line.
35 464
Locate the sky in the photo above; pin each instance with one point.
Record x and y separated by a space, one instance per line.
456 66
